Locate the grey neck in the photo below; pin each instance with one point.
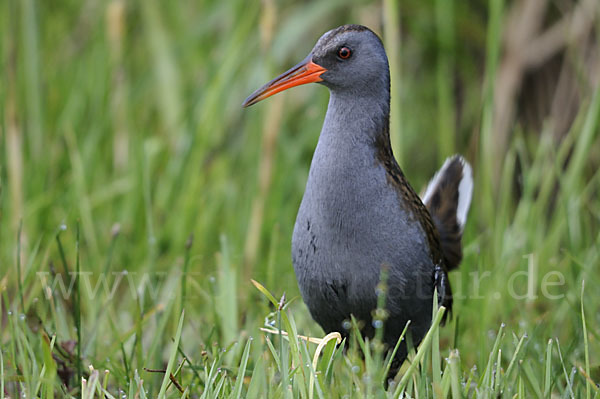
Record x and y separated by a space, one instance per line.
346 158
356 120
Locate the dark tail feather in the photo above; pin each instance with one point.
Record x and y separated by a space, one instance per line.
448 197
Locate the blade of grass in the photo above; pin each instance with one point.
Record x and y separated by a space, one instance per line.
166 379
444 390
420 353
296 353
486 380
469 381
2 372
588 392
173 376
141 392
521 388
513 361
307 367
530 379
393 354
548 373
77 306
257 384
88 389
329 355
454 362
227 297
497 377
567 379
61 251
189 362
265 292
49 364
329 337
274 353
184 276
239 381
436 367
283 357
18 265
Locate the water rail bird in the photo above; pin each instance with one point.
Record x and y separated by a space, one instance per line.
359 214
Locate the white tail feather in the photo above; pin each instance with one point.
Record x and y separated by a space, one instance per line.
465 192
465 188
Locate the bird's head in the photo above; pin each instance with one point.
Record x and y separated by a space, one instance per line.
349 59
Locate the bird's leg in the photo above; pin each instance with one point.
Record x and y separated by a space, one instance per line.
440 283
444 292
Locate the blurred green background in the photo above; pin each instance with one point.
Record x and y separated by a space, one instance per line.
121 123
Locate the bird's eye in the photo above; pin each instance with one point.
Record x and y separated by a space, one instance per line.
344 53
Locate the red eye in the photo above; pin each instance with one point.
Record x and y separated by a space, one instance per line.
344 53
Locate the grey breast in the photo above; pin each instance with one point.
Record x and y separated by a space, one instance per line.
351 222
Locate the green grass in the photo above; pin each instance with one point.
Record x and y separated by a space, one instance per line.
125 155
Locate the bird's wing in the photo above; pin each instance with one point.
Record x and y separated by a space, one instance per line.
419 210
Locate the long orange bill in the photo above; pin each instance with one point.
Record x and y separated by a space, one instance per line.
305 72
